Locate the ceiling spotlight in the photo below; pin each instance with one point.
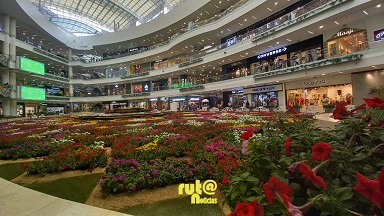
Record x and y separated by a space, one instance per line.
379 5
365 12
310 32
336 23
321 27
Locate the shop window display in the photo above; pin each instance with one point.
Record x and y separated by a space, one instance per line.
351 43
320 96
268 99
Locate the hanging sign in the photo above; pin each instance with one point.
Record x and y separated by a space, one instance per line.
378 35
277 51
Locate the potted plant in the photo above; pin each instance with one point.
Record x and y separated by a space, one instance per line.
328 108
297 107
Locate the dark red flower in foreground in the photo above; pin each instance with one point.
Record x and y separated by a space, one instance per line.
275 188
246 135
248 209
381 180
370 189
321 151
63 167
340 111
310 175
287 146
374 102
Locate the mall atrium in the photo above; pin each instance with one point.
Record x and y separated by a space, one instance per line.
116 75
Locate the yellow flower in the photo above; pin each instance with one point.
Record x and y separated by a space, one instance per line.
149 146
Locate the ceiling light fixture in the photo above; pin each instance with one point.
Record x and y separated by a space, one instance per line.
321 27
336 23
379 5
365 12
310 32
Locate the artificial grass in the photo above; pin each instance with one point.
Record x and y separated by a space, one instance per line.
180 206
76 189
11 170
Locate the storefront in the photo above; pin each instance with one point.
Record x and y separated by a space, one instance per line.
112 105
236 69
178 104
271 96
141 87
346 41
295 54
320 91
30 109
159 103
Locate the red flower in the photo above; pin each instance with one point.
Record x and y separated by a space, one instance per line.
246 135
275 188
381 180
63 166
371 189
310 175
287 146
321 151
374 102
287 200
248 209
340 111
225 180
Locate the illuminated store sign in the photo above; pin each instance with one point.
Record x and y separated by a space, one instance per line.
264 89
344 33
314 83
277 51
378 35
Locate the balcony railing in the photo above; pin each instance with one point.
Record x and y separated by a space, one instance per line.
260 71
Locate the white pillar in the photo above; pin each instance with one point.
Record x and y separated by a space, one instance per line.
69 54
282 96
6 24
12 43
13 107
12 82
9 107
71 90
70 72
249 98
6 107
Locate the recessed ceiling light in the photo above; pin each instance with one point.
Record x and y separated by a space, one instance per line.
374 66
277 81
365 12
289 40
321 26
336 23
377 6
310 32
269 9
245 20
275 3
323 74
277 42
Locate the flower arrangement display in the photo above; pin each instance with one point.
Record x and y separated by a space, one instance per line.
297 169
265 164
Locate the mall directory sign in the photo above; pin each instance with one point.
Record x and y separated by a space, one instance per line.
32 93
32 66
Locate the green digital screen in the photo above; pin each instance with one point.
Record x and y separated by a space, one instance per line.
32 93
32 66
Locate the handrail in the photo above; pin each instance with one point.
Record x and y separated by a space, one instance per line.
266 69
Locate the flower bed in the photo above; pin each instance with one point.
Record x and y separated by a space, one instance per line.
297 169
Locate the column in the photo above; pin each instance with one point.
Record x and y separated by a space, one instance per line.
159 104
70 72
249 98
9 107
170 82
5 46
149 104
12 43
69 54
71 90
12 82
282 96
225 99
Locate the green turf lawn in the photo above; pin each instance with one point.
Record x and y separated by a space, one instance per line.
75 189
181 206
11 171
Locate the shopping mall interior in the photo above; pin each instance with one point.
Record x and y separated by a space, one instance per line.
95 67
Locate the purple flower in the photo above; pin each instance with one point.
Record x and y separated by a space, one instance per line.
245 149
139 180
102 182
146 175
133 187
190 173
